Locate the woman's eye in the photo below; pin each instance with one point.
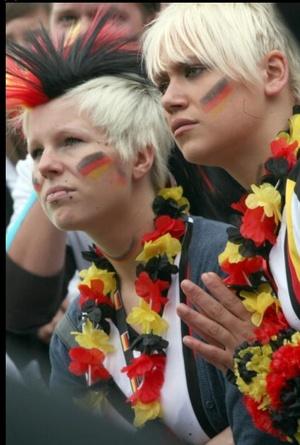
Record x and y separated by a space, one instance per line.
36 153
194 71
67 20
71 141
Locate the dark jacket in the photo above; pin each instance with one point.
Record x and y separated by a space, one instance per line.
218 400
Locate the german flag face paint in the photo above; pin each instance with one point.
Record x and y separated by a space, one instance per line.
94 165
36 185
216 96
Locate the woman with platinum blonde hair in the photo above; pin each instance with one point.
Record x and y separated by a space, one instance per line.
229 75
95 130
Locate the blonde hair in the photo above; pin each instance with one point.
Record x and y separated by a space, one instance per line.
130 112
229 37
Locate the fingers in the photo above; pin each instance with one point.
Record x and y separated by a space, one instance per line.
225 296
212 332
223 329
220 358
220 316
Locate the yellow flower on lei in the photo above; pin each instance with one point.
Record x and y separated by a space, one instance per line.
258 302
146 411
294 123
149 320
231 254
265 196
93 338
165 244
260 363
175 193
93 273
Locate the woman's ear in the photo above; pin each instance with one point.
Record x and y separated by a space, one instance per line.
276 72
143 162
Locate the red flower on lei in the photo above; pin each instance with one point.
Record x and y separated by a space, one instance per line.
151 291
165 224
238 272
143 364
282 149
273 322
84 359
151 369
285 365
255 224
95 293
262 419
258 227
150 389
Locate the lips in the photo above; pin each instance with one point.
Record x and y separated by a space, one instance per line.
179 126
57 193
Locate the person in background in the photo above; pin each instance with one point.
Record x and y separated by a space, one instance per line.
133 16
99 166
229 75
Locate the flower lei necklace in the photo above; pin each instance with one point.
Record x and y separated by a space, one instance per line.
99 300
267 369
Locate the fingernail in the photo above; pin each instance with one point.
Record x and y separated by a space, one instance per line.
187 285
207 277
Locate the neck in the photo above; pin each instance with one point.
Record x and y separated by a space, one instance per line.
248 167
120 239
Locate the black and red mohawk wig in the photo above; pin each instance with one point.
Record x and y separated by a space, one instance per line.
45 70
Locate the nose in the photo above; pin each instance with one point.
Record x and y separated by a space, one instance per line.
50 165
174 98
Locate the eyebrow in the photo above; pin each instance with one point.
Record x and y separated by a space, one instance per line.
162 75
67 10
72 8
63 6
64 131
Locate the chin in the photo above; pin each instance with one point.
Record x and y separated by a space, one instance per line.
68 224
64 220
198 154
61 225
